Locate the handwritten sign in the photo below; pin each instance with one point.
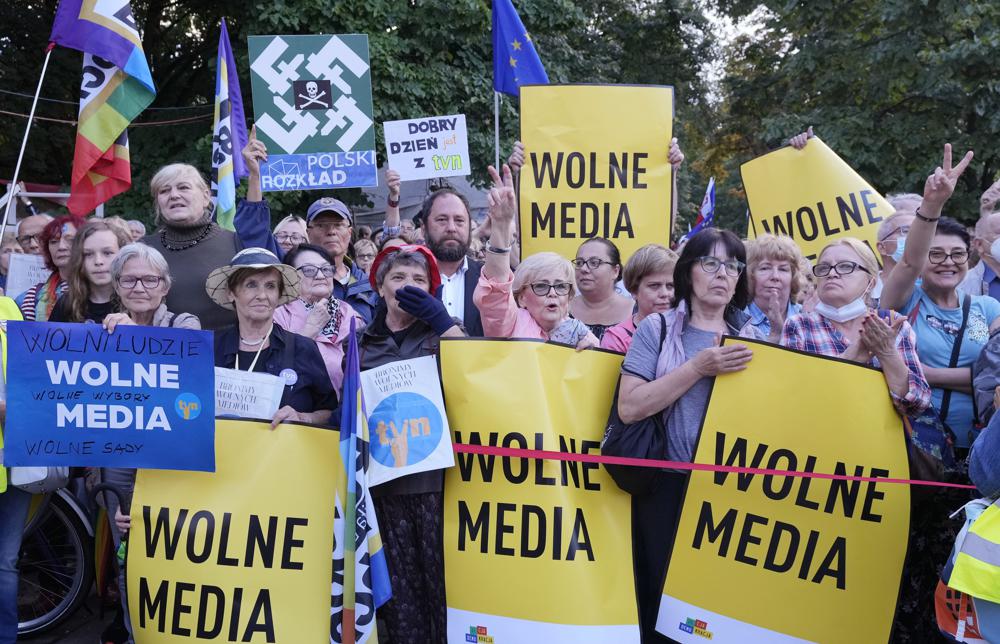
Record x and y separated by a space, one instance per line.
246 394
426 148
141 397
409 428
25 271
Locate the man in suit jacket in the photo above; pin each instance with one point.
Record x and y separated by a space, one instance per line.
448 233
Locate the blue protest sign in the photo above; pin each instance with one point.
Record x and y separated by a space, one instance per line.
140 397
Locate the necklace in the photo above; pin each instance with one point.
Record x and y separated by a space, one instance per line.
186 244
253 343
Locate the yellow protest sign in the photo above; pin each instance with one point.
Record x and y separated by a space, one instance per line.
242 554
535 550
596 166
813 196
787 559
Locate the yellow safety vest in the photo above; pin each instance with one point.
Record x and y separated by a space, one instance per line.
977 564
8 311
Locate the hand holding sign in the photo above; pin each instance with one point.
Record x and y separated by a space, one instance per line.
516 159
392 182
941 183
675 156
799 140
719 360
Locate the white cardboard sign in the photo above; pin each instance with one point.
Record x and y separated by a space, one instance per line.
427 148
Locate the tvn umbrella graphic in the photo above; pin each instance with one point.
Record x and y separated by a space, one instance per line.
407 424
138 397
312 101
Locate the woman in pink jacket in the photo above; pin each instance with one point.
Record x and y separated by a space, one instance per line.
316 313
532 302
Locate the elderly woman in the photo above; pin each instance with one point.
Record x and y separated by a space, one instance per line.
191 242
534 301
409 324
649 277
364 253
56 241
316 313
91 294
254 284
773 265
290 232
598 267
669 370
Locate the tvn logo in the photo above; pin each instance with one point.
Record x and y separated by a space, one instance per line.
478 634
696 627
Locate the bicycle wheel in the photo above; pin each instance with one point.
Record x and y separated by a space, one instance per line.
56 568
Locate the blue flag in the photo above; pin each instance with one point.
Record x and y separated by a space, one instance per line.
361 576
515 61
229 134
707 213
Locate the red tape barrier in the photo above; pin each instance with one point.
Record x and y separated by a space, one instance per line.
516 452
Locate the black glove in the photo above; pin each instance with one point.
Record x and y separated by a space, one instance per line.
424 306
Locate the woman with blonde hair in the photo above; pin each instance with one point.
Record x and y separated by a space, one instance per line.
649 277
190 241
91 294
773 266
290 232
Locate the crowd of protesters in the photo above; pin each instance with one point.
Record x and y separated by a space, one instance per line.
921 307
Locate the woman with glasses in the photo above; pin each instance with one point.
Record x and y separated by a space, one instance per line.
316 313
669 371
843 326
56 241
598 304
364 254
533 301
290 232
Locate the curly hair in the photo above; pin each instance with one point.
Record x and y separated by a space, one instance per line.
79 284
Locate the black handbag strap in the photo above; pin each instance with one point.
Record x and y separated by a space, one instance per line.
955 350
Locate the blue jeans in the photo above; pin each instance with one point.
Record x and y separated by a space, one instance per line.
14 505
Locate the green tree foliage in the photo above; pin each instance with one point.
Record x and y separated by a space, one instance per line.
884 82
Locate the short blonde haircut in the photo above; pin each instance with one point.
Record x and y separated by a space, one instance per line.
292 219
174 172
365 243
648 260
861 249
548 266
774 248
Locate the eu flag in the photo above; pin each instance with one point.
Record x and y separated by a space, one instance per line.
515 61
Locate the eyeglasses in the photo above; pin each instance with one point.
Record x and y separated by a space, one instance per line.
541 289
841 268
902 230
24 240
295 238
331 225
593 263
365 256
148 281
311 271
959 257
713 265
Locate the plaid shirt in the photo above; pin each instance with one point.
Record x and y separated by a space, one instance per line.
813 333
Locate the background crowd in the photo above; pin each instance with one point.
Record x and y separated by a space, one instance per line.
921 307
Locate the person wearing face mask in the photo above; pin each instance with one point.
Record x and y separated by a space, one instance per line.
891 237
773 264
91 294
598 267
649 277
984 277
842 325
669 370
532 302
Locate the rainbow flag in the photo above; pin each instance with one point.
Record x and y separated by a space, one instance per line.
229 135
116 87
360 575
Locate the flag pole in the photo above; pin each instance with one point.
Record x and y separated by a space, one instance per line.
24 141
496 130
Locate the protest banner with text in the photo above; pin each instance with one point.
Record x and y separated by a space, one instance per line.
25 271
535 550
140 397
778 559
812 196
312 103
595 166
427 148
232 557
407 419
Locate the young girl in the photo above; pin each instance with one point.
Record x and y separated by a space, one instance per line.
91 294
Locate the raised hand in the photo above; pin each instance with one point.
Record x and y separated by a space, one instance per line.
799 140
392 182
502 199
675 156
254 152
940 185
988 201
516 160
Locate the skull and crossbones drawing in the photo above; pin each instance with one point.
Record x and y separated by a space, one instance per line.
313 96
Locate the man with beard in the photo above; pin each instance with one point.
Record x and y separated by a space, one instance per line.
448 232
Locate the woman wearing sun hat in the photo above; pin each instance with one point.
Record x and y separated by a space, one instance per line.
253 284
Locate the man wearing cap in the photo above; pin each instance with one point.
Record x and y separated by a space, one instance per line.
329 224
448 233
